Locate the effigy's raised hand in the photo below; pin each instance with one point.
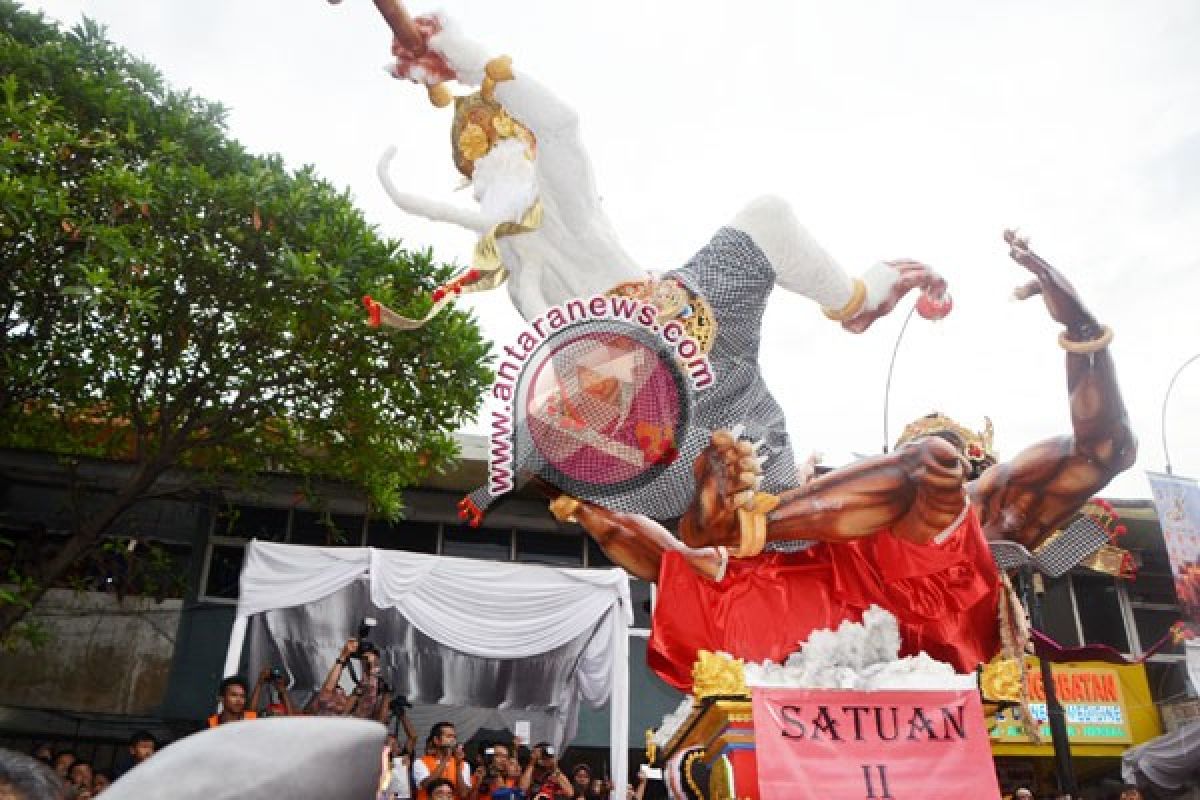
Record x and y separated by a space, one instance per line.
1062 301
888 282
415 59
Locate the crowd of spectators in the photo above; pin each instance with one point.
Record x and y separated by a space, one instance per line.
441 770
499 771
78 778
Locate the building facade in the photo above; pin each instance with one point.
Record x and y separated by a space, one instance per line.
137 637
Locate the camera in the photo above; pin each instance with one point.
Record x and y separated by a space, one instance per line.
398 704
365 645
548 751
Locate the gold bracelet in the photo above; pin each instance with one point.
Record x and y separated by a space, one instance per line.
498 70
564 507
1087 347
853 305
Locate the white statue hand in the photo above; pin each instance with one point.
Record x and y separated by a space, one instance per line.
465 56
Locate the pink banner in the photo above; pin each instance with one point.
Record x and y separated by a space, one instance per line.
893 745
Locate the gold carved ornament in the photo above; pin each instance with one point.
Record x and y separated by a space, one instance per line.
1001 680
651 746
675 302
718 675
978 443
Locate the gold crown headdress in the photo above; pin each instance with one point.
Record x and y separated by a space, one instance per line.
976 444
479 124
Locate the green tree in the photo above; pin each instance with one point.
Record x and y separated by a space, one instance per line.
175 302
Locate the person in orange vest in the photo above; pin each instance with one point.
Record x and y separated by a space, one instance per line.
232 694
442 762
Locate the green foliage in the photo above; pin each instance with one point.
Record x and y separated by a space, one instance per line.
170 299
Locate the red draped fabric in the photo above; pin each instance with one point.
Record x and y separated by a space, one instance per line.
944 596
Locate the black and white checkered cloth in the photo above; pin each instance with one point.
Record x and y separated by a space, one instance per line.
1058 554
735 278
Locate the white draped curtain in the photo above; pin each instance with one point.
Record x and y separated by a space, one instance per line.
460 632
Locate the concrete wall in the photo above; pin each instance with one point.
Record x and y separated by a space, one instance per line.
103 655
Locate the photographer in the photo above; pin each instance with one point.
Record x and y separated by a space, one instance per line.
368 696
397 706
274 679
400 756
543 776
331 700
443 760
492 776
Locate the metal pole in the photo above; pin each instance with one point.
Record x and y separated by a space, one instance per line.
1033 588
1166 397
887 389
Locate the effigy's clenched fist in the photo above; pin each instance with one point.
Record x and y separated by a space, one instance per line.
728 478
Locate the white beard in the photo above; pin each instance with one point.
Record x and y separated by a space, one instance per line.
505 182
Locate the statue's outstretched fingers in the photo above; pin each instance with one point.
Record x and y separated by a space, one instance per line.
722 438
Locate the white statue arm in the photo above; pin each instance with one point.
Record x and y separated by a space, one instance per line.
424 206
527 100
803 266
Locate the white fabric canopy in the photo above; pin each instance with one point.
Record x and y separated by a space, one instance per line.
482 609
1170 761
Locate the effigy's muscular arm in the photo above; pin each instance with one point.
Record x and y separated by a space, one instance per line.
1033 495
916 491
631 541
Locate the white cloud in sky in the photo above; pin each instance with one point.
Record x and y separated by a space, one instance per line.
895 128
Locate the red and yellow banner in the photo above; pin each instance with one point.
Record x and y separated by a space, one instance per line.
819 744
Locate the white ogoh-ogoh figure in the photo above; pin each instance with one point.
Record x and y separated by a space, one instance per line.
540 217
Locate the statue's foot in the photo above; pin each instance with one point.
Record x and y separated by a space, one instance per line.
728 476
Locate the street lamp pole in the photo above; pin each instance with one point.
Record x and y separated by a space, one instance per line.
1166 397
1031 583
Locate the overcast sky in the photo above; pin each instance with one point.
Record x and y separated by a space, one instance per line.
917 129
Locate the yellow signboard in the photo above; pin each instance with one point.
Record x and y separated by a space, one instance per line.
1091 698
1107 707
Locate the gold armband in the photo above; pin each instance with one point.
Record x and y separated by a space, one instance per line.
1087 347
853 305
